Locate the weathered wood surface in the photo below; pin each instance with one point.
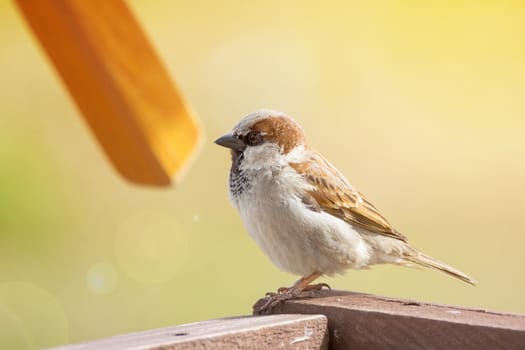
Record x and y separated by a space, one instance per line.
338 320
264 332
361 321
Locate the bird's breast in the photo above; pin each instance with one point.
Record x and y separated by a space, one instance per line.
295 238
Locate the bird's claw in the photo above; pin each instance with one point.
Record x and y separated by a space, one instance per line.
283 290
280 290
272 299
318 286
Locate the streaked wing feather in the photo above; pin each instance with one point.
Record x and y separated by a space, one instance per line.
335 195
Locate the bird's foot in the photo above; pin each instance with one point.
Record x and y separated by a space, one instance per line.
318 286
282 290
286 293
274 299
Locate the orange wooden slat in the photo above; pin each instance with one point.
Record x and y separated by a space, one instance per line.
119 84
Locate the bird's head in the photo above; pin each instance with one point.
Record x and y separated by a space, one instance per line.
263 136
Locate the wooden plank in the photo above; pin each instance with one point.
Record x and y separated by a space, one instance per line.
361 321
263 332
119 84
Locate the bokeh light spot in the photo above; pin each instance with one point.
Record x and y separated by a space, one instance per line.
151 247
102 278
30 317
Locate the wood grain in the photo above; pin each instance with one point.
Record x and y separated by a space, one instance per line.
264 332
119 84
361 321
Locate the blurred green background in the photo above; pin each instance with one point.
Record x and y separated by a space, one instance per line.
420 104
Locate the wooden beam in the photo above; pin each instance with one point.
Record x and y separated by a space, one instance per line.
265 332
119 84
362 321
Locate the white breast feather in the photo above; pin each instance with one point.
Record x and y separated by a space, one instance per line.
294 237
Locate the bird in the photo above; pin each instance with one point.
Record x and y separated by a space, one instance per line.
303 213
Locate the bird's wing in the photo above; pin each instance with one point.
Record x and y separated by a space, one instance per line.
332 194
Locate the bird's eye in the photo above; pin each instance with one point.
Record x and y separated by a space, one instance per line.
254 138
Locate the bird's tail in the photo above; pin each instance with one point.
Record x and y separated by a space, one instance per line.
427 261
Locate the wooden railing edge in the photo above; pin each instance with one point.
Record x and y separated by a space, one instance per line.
235 333
364 321
337 320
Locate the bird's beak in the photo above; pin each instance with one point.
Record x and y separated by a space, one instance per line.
230 141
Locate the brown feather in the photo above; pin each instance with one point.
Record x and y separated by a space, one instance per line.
282 131
334 195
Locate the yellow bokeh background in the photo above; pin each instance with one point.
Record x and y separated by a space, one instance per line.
420 104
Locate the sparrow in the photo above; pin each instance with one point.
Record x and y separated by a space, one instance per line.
303 213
